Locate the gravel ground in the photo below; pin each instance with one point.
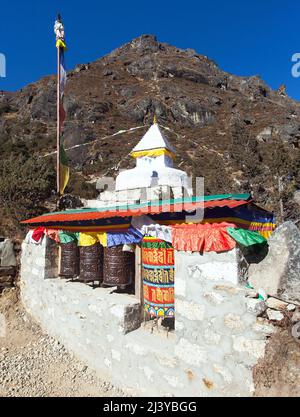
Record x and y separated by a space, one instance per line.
32 364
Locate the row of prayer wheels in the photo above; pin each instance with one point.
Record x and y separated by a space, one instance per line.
110 265
113 266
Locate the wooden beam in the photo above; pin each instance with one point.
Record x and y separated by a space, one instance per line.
138 278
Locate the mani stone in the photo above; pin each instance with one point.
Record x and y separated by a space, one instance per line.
279 272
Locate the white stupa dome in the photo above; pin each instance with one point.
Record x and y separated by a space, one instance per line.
154 164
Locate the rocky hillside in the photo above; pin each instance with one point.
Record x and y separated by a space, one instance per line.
235 131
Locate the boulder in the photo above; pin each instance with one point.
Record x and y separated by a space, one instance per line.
274 315
8 257
279 272
254 305
276 304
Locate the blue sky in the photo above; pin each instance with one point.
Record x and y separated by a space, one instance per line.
243 37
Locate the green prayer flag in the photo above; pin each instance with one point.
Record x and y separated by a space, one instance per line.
67 237
245 237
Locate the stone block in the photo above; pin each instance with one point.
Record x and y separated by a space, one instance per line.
251 293
255 348
215 271
276 304
263 326
256 306
227 289
214 298
274 315
211 337
132 317
234 322
148 372
189 310
191 354
167 360
173 381
224 372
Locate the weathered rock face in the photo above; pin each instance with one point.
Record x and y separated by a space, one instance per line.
7 253
279 273
235 131
8 264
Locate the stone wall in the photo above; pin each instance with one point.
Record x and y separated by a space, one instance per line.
216 325
211 353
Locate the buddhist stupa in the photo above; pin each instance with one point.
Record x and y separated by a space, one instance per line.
154 164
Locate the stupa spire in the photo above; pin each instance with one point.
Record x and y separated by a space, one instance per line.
153 143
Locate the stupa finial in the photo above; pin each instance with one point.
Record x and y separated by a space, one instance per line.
155 119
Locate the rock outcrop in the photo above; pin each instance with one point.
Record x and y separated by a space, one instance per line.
279 273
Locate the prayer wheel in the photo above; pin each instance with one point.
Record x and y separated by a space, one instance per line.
91 263
69 261
118 267
158 277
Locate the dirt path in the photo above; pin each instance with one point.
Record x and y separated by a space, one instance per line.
32 364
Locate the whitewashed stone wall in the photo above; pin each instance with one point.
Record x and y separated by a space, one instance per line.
216 324
211 353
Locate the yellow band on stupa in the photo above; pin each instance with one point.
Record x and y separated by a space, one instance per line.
61 44
152 152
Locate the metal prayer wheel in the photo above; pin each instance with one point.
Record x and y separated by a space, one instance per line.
118 267
158 277
69 261
91 263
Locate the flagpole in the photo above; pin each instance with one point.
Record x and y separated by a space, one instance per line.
62 168
58 124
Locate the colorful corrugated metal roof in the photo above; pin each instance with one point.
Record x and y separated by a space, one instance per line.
154 207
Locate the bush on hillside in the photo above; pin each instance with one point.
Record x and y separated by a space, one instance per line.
25 184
